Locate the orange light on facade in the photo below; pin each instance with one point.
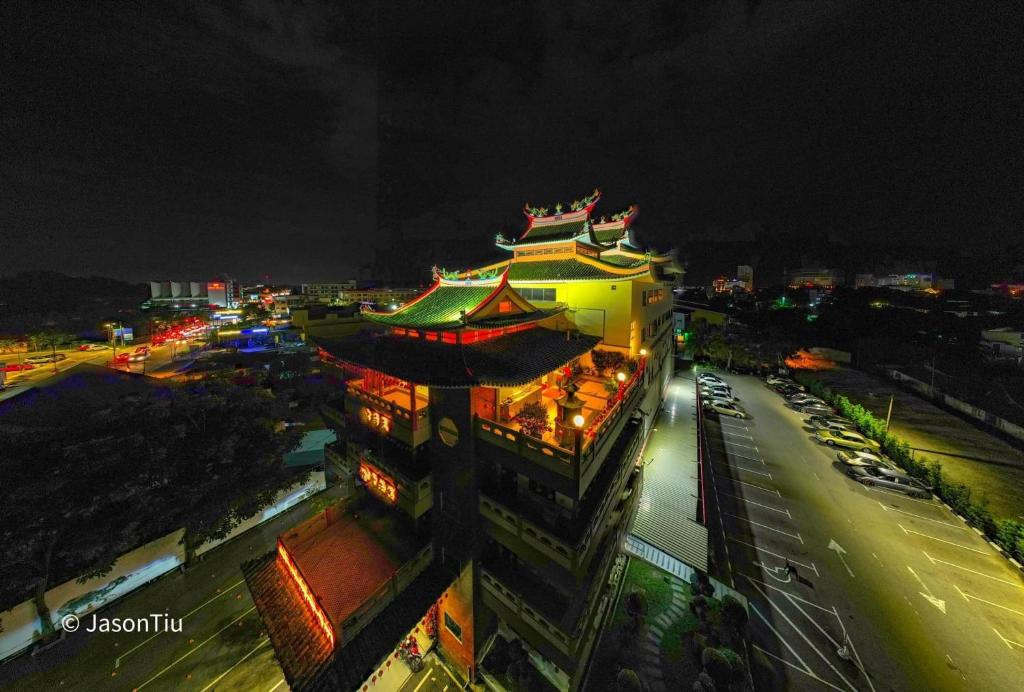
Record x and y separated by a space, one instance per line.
375 419
318 613
377 482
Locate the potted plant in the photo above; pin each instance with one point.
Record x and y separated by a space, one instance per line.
533 420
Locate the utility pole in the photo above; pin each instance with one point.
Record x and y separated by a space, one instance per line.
932 390
888 416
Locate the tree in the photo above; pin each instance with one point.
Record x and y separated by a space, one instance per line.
628 681
718 667
605 361
91 472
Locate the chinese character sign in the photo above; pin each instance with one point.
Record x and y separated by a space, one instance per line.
377 482
376 420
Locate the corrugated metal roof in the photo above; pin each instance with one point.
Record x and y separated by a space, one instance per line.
666 516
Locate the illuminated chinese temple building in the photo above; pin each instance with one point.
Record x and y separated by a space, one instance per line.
491 429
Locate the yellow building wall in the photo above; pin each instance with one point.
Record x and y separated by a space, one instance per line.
612 310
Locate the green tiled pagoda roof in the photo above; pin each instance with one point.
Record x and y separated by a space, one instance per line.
609 235
556 231
437 309
623 260
561 270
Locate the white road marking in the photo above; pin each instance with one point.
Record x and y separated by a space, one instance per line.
755 485
737 435
918 516
840 551
886 491
727 424
266 640
196 648
758 504
737 444
744 468
941 540
422 683
806 639
927 593
117 661
791 595
969 596
877 558
279 683
765 526
807 668
1009 644
763 550
797 668
967 569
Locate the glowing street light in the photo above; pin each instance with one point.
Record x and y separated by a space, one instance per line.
578 420
643 353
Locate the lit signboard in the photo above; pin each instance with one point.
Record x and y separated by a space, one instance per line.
377 482
375 419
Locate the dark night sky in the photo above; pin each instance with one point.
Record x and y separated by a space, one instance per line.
153 140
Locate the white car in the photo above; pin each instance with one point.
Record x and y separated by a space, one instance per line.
723 394
706 378
724 408
775 379
856 457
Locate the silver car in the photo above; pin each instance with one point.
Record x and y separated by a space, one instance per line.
889 479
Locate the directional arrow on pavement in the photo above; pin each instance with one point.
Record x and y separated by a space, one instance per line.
927 593
840 551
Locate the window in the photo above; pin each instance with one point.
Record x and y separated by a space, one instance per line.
652 296
538 293
452 626
505 306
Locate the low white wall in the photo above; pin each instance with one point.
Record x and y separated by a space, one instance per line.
22 626
995 421
284 500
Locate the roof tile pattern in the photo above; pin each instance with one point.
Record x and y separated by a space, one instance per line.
562 270
513 359
555 231
439 308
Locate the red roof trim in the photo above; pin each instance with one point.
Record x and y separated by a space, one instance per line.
501 285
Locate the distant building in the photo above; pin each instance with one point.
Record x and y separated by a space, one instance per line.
1009 289
814 278
189 295
327 321
1002 343
745 273
328 292
378 296
911 281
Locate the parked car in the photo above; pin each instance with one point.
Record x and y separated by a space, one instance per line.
138 356
856 457
708 377
723 394
888 478
17 367
795 386
814 408
847 439
52 358
788 390
121 358
828 422
724 408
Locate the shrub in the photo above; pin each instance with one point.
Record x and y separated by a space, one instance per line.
717 666
533 418
1007 533
734 615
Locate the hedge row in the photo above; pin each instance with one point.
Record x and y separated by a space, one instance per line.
1007 533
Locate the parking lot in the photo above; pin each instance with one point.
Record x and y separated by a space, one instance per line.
851 587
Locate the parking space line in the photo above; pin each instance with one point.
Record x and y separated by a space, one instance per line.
744 468
765 526
918 516
810 674
737 444
724 432
758 504
805 638
807 668
968 597
759 487
763 550
1007 641
941 540
738 456
792 595
724 424
973 571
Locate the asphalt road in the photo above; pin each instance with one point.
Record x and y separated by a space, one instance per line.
222 645
434 677
18 382
918 598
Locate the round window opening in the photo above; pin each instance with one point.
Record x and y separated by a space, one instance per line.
448 432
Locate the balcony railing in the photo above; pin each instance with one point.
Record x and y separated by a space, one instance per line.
409 427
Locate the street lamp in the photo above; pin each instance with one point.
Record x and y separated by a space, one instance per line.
643 353
621 377
578 420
